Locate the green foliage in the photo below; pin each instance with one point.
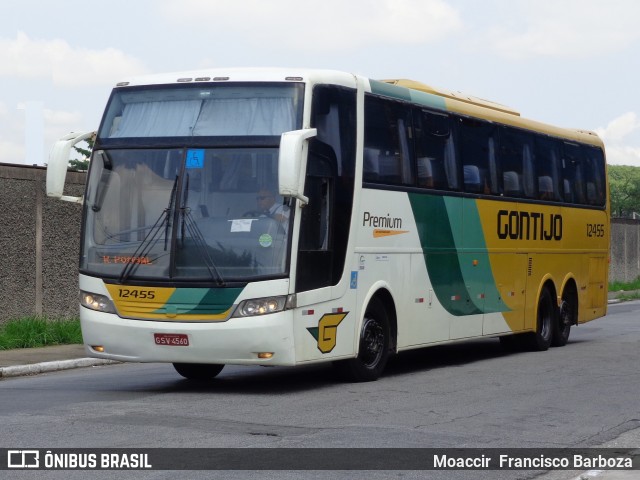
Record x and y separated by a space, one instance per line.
82 164
626 286
624 184
39 332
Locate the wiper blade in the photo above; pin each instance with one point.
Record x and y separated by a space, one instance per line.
172 198
201 245
145 246
152 236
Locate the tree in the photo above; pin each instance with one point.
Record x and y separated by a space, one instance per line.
82 164
624 186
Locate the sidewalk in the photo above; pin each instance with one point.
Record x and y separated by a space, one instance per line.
32 361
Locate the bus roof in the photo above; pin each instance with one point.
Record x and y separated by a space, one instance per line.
453 95
243 75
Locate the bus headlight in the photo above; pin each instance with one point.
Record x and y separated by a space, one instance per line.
261 306
97 302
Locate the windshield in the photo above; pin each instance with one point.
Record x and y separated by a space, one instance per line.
209 214
203 110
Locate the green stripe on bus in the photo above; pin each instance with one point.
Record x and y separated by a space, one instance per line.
403 93
209 301
462 286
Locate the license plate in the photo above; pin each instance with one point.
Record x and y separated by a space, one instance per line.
171 339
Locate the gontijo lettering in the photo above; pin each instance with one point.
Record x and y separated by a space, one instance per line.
517 225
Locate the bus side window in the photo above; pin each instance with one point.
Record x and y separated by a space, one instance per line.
547 165
434 148
573 178
517 162
388 155
477 152
594 175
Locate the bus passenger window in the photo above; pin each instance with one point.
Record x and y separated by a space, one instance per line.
388 156
593 169
517 163
547 165
478 155
575 188
434 148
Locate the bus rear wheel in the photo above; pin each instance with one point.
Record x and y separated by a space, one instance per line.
546 320
373 351
198 371
567 316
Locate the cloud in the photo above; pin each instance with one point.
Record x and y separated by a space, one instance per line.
618 136
567 28
621 155
66 66
331 24
60 118
11 152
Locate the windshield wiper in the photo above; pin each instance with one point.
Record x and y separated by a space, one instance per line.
201 245
150 239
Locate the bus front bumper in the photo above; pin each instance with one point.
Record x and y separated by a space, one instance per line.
259 340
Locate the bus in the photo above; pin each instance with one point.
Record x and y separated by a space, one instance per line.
289 217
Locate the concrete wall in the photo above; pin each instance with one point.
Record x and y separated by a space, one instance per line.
625 250
39 241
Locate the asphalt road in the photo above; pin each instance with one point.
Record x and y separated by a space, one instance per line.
471 394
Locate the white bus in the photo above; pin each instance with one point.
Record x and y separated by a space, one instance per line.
288 217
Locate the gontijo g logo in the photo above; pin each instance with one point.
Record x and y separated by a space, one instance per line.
326 333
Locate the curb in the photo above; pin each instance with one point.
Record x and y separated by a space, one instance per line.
44 367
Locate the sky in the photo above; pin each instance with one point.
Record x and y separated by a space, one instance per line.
570 63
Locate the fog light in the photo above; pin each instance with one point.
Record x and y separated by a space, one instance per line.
265 354
98 348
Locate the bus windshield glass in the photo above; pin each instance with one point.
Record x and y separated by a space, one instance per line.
203 110
183 183
185 214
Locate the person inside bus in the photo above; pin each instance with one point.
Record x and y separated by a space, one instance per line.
267 206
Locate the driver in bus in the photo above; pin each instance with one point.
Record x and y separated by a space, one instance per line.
268 207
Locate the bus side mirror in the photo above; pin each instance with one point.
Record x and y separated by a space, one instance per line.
58 164
291 164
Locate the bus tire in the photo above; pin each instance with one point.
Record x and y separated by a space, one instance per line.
547 315
567 316
198 371
373 351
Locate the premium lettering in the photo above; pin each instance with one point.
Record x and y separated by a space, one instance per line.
369 220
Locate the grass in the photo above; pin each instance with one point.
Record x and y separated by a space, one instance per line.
39 332
627 290
617 286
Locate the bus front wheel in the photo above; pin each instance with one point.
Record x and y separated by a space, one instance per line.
373 351
198 371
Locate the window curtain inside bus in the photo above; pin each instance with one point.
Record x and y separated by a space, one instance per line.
158 119
246 116
214 117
